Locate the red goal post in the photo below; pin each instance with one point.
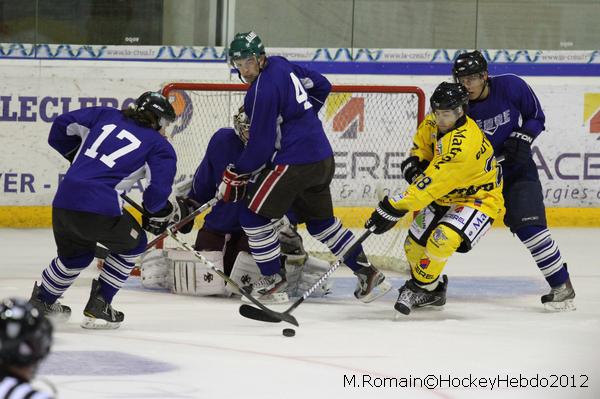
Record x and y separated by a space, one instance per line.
370 129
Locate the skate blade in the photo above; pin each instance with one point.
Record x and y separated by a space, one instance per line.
564 306
401 309
59 317
378 291
270 299
91 323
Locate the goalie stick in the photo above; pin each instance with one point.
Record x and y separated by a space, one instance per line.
175 227
270 316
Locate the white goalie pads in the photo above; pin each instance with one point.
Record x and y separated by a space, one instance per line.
310 273
182 272
300 277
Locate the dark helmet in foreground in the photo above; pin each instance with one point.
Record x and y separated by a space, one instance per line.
158 105
25 333
469 64
448 96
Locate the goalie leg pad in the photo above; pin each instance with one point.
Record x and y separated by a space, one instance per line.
193 276
245 272
314 269
155 269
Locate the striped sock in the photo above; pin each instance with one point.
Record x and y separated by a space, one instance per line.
117 268
264 246
115 272
60 274
545 252
337 238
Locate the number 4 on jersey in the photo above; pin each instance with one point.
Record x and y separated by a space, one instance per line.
301 95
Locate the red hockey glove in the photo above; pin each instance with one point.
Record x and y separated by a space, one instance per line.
233 185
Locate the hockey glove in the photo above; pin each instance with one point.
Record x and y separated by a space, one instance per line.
156 223
411 168
517 147
384 217
233 185
184 207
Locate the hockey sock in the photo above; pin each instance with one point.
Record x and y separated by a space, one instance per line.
337 238
545 252
117 268
60 274
263 241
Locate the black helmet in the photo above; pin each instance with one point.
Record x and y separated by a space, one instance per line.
449 96
469 64
25 333
157 104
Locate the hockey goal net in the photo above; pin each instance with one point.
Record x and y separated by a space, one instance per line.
370 129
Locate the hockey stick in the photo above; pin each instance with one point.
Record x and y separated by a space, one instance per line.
134 204
270 316
175 226
267 314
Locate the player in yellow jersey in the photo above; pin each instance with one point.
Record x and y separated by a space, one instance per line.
456 185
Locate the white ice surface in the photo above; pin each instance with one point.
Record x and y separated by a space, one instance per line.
187 347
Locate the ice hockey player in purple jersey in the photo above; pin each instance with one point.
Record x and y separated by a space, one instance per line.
511 116
221 240
225 146
291 165
109 151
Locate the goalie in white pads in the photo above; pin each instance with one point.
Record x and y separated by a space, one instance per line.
221 239
183 273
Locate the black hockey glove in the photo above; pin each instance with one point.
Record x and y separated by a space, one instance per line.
412 167
156 223
185 206
384 217
517 147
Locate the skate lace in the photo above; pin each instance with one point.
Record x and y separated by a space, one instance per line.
264 282
55 307
561 292
408 296
108 309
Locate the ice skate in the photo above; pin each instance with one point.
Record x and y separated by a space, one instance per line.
412 296
99 314
271 289
371 284
560 299
55 311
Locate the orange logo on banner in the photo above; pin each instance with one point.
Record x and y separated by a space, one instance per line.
348 114
591 111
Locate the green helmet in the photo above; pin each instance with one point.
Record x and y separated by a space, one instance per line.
245 45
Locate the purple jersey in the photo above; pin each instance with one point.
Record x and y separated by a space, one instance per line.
113 152
225 147
511 106
282 104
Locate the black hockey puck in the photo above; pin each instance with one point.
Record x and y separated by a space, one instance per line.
289 332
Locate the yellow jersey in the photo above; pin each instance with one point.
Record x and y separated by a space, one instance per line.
462 169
